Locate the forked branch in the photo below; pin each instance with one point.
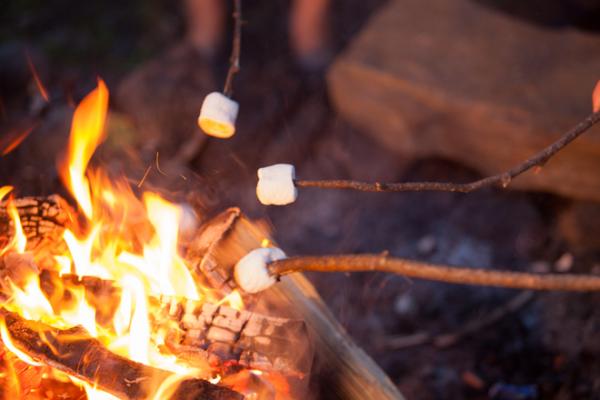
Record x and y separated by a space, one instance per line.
502 179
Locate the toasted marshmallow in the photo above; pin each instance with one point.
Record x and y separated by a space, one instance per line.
218 115
251 272
276 185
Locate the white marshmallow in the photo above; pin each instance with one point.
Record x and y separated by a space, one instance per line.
276 185
217 115
251 273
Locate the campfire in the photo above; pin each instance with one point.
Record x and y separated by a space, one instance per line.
108 299
121 293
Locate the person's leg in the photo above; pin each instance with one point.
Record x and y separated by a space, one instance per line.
309 32
205 20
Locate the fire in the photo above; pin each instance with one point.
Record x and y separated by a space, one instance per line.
7 341
19 241
87 131
127 240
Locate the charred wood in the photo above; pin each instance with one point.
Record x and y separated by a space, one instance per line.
223 335
74 352
220 243
43 219
200 332
349 372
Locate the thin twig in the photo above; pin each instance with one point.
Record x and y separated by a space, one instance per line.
502 179
468 329
234 59
141 182
158 166
442 273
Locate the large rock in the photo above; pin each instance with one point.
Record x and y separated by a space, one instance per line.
458 80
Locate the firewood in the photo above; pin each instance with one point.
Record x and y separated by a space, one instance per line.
220 243
224 335
43 218
349 373
74 352
201 332
15 269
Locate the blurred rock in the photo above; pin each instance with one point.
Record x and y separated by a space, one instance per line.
459 80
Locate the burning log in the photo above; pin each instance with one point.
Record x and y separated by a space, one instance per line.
43 219
205 333
346 370
224 335
202 333
220 243
246 339
74 352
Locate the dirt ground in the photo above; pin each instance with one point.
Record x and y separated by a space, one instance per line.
547 349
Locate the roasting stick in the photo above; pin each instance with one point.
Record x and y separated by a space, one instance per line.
219 111
280 178
262 267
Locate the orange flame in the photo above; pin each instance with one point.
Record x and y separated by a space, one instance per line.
7 341
19 241
4 190
130 241
87 131
15 140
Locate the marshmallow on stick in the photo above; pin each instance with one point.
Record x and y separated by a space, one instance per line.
218 115
251 272
276 185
